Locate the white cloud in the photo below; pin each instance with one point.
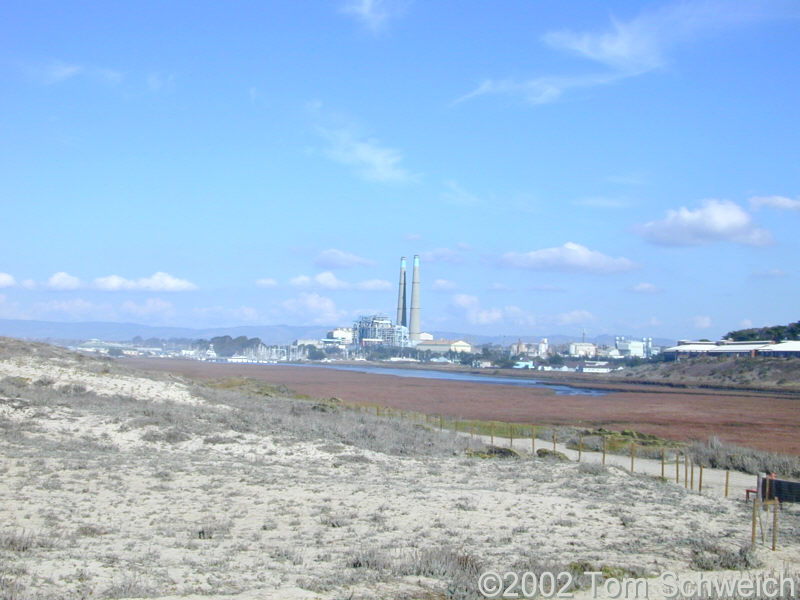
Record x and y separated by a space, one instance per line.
370 159
329 281
338 259
158 282
444 285
63 281
778 202
574 317
644 288
475 314
374 14
315 308
569 257
7 280
28 284
631 48
442 255
266 282
714 221
374 285
702 322
152 307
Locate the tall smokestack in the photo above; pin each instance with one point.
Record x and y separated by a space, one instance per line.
413 322
401 295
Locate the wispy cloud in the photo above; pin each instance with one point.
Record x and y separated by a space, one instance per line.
633 47
701 322
458 196
159 82
770 274
602 202
569 257
374 285
57 71
442 255
266 282
367 156
77 308
374 14
338 259
714 221
158 282
152 307
644 288
574 317
777 202
444 285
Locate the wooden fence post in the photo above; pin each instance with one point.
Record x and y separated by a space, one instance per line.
491 431
686 471
775 525
727 481
441 422
677 467
700 483
511 436
472 429
580 447
604 449
533 439
755 517
691 482
663 458
633 454
555 441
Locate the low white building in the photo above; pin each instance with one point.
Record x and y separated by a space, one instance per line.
444 346
582 350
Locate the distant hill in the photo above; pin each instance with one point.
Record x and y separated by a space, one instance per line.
73 332
57 332
773 332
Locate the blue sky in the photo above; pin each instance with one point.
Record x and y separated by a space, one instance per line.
627 168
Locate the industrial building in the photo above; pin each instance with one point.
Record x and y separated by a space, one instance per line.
635 348
582 350
686 348
378 330
444 346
